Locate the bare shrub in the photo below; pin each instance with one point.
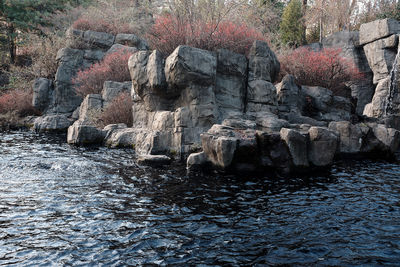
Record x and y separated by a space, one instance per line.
118 111
17 101
169 31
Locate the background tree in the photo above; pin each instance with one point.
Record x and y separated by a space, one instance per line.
17 16
292 26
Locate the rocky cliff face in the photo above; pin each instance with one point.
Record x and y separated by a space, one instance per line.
223 109
380 40
57 98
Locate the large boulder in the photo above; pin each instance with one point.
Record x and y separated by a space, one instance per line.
121 49
322 146
90 107
230 82
42 93
377 108
362 90
52 123
378 29
99 39
289 96
263 63
80 133
131 40
388 136
112 89
65 99
261 97
381 55
219 144
350 136
188 65
121 137
297 144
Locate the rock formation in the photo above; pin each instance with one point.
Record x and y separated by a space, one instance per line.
222 109
58 99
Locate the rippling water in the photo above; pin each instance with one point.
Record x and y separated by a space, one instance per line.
61 205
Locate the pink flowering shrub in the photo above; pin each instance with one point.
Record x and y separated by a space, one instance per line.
114 67
168 32
325 68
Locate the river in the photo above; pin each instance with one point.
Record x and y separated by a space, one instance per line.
68 206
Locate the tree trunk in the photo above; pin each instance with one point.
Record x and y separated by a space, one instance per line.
304 9
320 30
11 43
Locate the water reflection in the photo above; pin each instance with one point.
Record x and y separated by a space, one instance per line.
61 205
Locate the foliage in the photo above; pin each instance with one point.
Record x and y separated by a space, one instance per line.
17 101
26 15
101 25
116 16
114 67
118 111
168 32
326 68
42 51
292 27
313 35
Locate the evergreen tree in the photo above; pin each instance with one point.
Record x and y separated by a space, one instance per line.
292 26
18 16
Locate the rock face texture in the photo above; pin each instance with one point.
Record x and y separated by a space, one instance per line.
381 45
223 109
349 41
86 48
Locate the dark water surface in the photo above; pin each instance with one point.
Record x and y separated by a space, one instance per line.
66 206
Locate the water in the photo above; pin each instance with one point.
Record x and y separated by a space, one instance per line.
66 206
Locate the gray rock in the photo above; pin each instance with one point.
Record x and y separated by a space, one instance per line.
381 57
388 136
121 49
131 40
121 136
80 133
52 123
348 41
42 93
288 94
322 147
154 160
99 39
297 144
137 65
378 29
350 136
112 127
113 89
230 82
263 63
93 55
190 65
90 107
155 72
376 108
322 97
270 122
219 145
65 99
196 161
